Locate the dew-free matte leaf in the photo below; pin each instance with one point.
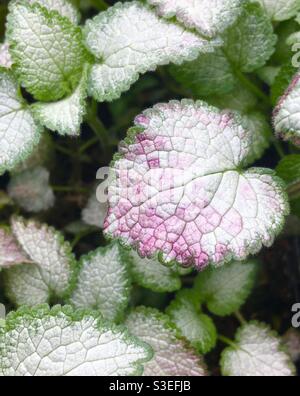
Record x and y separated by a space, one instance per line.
61 342
289 168
178 190
103 282
172 357
46 248
94 212
196 327
129 39
257 352
282 81
225 289
63 7
250 42
286 114
31 190
19 133
280 10
153 275
5 58
47 50
208 17
10 251
66 115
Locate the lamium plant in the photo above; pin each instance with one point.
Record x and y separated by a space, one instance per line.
171 249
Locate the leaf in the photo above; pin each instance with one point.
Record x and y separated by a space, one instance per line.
10 252
152 275
286 114
282 82
256 352
103 282
129 39
47 50
177 188
268 74
225 289
209 74
171 356
18 132
291 340
289 169
5 58
209 18
66 115
280 10
46 248
250 42
31 190
196 327
94 212
63 7
63 342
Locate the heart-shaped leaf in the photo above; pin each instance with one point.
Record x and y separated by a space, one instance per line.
178 189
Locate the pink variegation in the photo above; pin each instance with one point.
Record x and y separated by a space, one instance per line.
10 251
178 189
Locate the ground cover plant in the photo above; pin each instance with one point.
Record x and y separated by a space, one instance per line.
149 188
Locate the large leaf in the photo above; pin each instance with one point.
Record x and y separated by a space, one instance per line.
171 356
103 282
18 132
129 39
46 49
256 352
208 17
61 342
64 7
178 189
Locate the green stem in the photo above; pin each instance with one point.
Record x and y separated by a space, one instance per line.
100 5
278 148
240 317
81 235
98 128
294 191
227 341
253 88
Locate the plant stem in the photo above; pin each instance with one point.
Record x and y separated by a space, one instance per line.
69 189
227 341
240 317
278 148
81 235
294 191
100 5
98 128
253 88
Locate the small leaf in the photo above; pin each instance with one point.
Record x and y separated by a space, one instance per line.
129 39
5 58
282 81
30 189
18 132
153 275
46 49
291 340
250 42
289 168
225 289
280 10
103 282
208 17
61 342
95 212
171 356
66 115
46 248
268 74
63 7
177 188
10 251
257 352
196 327
286 113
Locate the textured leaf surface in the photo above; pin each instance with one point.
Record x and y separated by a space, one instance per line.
103 282
280 10
64 7
171 356
178 190
46 49
5 58
95 212
257 352
10 252
46 248
225 289
282 81
31 190
18 131
208 17
62 342
289 168
286 114
129 39
66 115
196 327
152 275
